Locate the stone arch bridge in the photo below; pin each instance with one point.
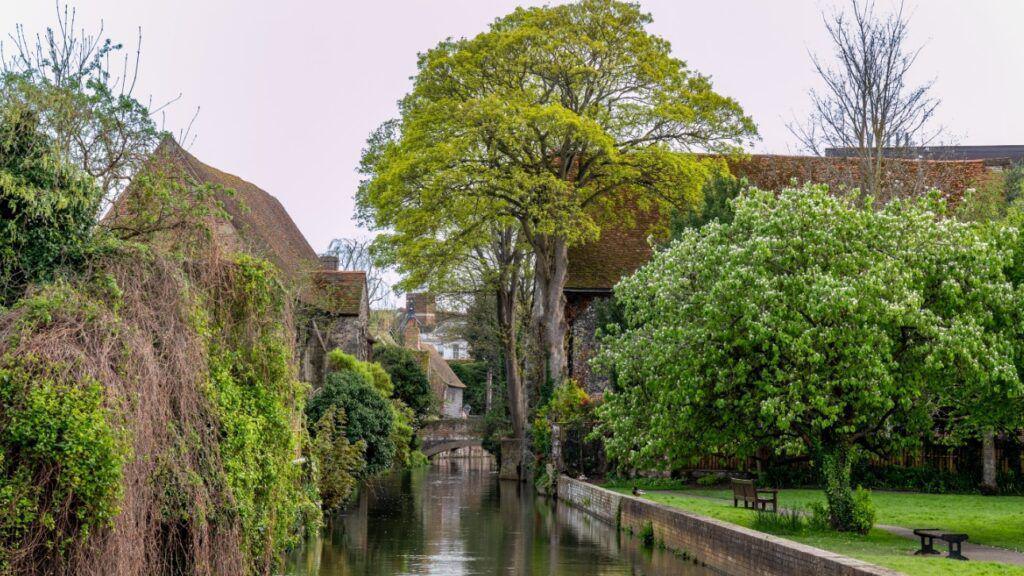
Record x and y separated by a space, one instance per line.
450 434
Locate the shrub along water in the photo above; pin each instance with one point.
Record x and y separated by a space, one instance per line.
368 429
149 420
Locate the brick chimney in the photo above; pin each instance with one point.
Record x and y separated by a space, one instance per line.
328 262
422 306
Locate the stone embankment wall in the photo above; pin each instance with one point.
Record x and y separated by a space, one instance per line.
733 549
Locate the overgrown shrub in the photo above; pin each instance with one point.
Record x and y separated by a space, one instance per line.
57 444
340 462
259 400
407 376
370 416
47 209
188 367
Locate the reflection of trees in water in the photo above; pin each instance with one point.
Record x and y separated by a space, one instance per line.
457 518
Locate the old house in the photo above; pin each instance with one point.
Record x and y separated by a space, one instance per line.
333 314
595 268
332 311
422 332
439 328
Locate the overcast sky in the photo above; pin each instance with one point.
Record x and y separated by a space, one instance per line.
288 91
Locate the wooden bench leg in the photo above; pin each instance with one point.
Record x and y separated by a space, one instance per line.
927 547
954 551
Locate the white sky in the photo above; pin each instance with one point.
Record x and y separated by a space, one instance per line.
289 90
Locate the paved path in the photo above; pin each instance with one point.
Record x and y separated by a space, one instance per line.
977 552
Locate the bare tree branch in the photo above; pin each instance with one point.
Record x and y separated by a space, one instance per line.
866 108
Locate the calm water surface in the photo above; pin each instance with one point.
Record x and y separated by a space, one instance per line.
456 518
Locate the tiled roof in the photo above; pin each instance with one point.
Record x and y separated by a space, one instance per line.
621 249
260 220
440 368
340 292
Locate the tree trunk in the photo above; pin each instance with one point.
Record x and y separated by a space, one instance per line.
548 315
988 462
843 512
514 382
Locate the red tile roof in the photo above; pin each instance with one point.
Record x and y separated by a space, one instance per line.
621 249
340 292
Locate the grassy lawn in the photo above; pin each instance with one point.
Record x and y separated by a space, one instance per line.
992 520
878 547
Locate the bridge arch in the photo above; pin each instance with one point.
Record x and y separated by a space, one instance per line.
449 434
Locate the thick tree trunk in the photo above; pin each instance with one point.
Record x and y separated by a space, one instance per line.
988 461
514 381
547 318
843 512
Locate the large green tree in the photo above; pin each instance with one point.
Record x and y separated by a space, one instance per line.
553 119
815 328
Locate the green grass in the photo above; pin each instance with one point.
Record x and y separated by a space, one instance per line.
991 520
878 547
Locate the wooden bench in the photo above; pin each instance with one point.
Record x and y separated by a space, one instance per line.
746 491
929 535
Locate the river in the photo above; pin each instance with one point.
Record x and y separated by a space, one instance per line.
456 518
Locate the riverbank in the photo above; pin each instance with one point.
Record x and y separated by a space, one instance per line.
878 547
715 533
734 549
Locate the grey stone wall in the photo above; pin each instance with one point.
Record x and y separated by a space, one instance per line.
581 315
733 549
318 332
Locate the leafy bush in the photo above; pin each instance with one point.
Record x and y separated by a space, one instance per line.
56 444
407 376
708 480
340 463
370 416
47 209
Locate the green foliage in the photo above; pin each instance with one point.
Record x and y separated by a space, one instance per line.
57 444
549 121
407 375
708 480
340 462
718 193
255 393
782 522
474 375
370 415
848 511
811 326
403 435
1013 183
646 534
48 209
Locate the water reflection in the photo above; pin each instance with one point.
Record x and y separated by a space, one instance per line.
456 518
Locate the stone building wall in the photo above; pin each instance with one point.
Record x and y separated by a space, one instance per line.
581 315
318 332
